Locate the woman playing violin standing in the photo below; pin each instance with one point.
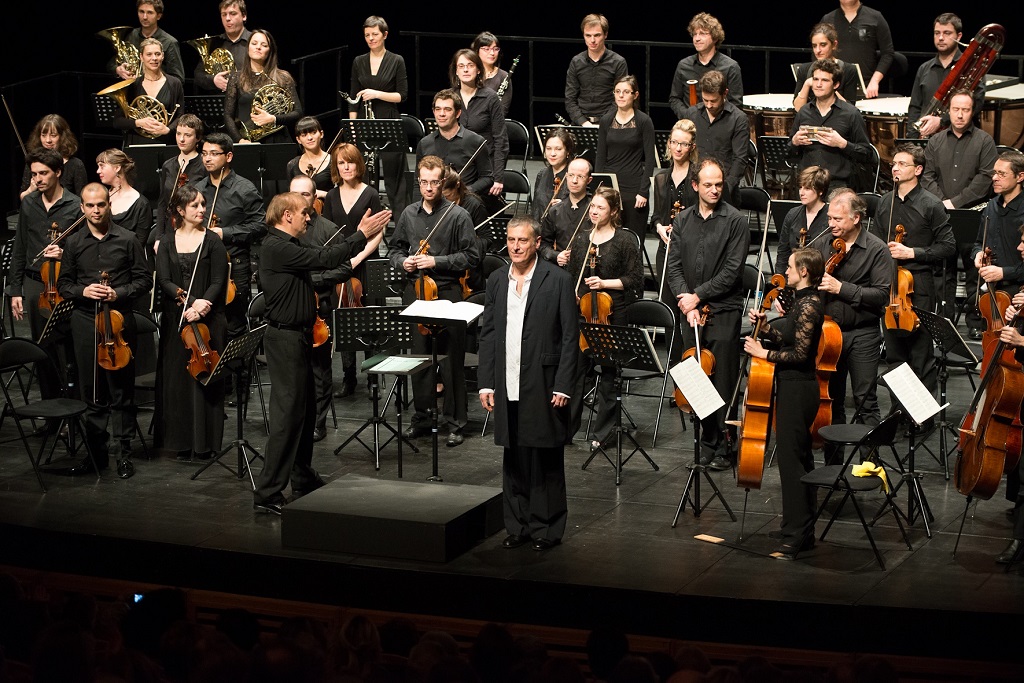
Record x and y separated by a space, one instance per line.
796 391
618 272
673 190
191 416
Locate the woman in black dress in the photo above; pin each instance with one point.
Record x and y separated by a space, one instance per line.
619 272
53 132
164 88
380 84
488 48
314 161
351 199
481 113
259 69
625 147
187 167
559 150
128 207
673 190
796 337
191 415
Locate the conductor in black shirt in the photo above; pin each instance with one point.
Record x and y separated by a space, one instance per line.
285 267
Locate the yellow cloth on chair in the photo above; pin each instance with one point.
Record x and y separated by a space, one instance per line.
867 469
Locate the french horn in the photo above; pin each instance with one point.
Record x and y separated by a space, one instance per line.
215 61
272 99
127 53
141 107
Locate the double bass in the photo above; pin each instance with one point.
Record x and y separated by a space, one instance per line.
757 404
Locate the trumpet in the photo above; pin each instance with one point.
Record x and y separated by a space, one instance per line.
141 107
215 61
272 99
127 53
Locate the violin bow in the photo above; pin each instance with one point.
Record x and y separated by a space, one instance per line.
492 216
213 206
191 280
590 243
21 143
585 214
437 225
329 148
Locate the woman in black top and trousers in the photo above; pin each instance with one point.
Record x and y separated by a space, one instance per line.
796 391
625 147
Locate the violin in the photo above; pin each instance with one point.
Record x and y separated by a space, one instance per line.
595 306
424 285
830 347
112 352
49 271
350 293
757 403
900 318
705 357
196 337
321 332
554 196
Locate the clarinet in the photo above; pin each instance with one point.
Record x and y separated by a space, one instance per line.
508 77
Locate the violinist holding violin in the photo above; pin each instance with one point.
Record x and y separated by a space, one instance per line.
1004 214
103 247
434 242
920 251
796 389
191 416
708 246
560 224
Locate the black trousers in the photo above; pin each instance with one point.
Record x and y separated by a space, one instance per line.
721 336
109 394
532 486
859 362
323 382
796 404
452 342
289 451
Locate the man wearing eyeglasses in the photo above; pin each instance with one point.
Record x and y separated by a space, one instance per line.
457 146
447 231
562 219
234 210
927 242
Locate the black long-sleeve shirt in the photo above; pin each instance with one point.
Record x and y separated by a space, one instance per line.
483 115
866 40
286 268
33 233
390 77
169 172
238 49
589 85
118 253
318 232
927 80
456 152
544 187
138 218
494 82
239 210
865 274
691 68
617 259
706 256
798 335
1004 221
238 109
667 193
789 233
960 168
727 139
453 245
846 120
560 224
628 152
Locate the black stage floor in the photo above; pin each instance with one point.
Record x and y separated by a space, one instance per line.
621 561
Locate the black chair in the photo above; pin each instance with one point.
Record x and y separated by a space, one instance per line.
658 316
751 281
18 355
518 184
491 263
6 256
414 130
518 140
756 201
1003 149
840 479
871 199
750 174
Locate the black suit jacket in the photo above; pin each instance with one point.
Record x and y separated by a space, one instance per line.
549 354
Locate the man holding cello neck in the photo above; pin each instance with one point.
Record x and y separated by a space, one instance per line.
103 247
1003 216
705 266
926 244
450 251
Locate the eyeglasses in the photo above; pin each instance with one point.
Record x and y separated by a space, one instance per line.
622 93
212 154
575 176
429 183
903 164
489 48
681 145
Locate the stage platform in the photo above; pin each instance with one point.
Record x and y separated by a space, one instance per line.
621 561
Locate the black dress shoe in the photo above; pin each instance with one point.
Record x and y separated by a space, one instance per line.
347 389
789 549
976 335
416 432
514 541
718 464
1013 552
85 467
319 434
271 507
545 544
455 439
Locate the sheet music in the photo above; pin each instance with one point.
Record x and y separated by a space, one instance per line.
400 364
442 309
911 393
696 387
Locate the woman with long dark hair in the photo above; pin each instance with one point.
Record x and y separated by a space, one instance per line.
559 150
487 46
259 69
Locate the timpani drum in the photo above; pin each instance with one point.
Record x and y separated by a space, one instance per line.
769 114
886 119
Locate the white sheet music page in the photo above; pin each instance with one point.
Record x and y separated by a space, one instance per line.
912 393
442 309
696 387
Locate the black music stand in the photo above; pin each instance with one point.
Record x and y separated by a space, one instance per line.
236 359
616 348
375 329
105 109
495 231
948 340
148 160
776 164
382 280
209 108
436 325
375 136
697 470
263 162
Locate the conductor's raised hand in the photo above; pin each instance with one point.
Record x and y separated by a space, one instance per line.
372 223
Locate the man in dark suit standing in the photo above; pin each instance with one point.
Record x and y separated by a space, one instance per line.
529 343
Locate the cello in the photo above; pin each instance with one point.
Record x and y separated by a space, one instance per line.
900 318
757 404
112 351
595 306
830 347
704 357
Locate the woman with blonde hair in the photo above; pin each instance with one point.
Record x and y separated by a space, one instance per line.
128 207
164 88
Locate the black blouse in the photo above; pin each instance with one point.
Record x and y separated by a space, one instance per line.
138 219
171 96
483 115
798 334
390 77
494 82
322 178
628 152
238 108
618 258
348 221
543 188
667 193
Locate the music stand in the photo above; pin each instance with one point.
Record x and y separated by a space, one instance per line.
209 108
374 329
148 160
105 109
948 340
965 224
375 136
55 324
237 357
263 162
495 231
382 280
616 348
437 325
